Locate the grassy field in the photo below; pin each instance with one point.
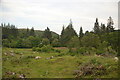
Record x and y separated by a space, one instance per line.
62 65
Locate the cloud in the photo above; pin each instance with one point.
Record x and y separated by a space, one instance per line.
55 13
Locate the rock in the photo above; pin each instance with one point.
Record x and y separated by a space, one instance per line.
116 58
37 57
97 55
5 53
47 58
22 76
11 51
51 57
10 73
11 54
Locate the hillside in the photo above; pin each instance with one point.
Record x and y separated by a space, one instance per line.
39 32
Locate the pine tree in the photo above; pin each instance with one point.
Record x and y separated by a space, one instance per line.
67 34
96 27
103 28
32 33
62 33
81 33
47 34
110 25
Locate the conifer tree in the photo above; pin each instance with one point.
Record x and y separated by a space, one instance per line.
110 25
96 27
81 33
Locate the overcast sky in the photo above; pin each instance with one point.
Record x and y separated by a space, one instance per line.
56 13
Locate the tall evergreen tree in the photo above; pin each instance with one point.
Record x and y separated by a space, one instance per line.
47 34
81 33
32 33
103 28
96 27
67 34
62 33
110 25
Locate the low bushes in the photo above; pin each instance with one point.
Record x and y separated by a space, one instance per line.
45 48
90 51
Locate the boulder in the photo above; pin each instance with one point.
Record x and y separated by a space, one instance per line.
37 57
5 53
116 58
11 54
51 57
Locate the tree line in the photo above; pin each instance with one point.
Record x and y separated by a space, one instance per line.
101 36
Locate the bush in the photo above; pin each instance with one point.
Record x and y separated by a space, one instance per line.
111 51
47 48
40 45
34 48
58 51
82 50
38 49
45 41
99 51
61 54
95 61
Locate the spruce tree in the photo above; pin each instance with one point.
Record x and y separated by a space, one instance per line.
110 25
96 27
47 34
32 33
81 33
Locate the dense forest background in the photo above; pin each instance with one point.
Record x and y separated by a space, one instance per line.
103 38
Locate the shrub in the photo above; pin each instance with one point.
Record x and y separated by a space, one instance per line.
58 51
99 51
34 48
47 48
61 54
40 45
82 50
45 41
95 61
38 49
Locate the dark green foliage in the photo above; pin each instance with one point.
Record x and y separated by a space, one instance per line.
47 34
32 32
90 40
22 38
67 34
45 48
110 25
97 40
96 27
5 42
81 33
102 28
9 31
55 43
45 41
34 48
74 42
58 51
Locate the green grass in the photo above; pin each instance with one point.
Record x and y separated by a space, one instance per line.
52 68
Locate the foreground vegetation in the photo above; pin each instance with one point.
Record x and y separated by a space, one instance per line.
61 65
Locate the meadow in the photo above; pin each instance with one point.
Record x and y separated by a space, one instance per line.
16 61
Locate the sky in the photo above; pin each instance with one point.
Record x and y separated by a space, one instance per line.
41 14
